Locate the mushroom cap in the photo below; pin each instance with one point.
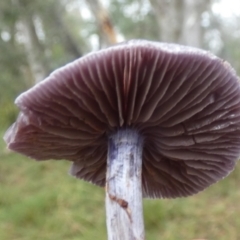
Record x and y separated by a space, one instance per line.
185 102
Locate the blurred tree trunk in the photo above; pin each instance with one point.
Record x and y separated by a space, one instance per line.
192 31
180 21
35 50
67 39
107 33
170 18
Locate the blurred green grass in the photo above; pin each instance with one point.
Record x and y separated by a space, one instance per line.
38 200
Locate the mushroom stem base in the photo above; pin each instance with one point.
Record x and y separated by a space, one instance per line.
124 186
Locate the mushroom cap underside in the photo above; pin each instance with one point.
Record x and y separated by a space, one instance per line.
185 103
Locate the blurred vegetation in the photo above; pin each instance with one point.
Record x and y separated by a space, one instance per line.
39 201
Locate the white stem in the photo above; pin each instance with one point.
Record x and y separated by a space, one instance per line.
124 186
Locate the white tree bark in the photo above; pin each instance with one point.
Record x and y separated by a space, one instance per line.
170 17
192 33
180 21
124 186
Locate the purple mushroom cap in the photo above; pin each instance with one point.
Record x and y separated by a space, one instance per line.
185 103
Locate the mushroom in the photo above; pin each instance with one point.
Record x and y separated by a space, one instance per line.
142 119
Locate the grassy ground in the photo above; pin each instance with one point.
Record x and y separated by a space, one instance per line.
40 201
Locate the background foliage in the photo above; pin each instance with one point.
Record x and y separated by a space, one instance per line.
39 201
